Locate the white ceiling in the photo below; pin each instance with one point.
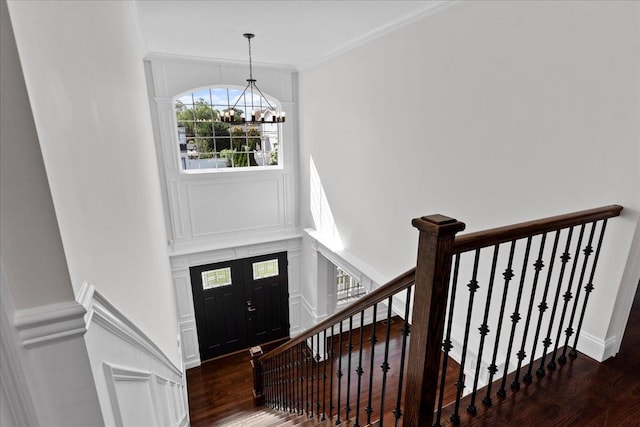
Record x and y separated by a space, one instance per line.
293 33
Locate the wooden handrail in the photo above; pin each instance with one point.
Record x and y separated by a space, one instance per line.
494 236
381 294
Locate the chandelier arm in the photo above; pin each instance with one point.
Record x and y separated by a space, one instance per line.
241 95
264 97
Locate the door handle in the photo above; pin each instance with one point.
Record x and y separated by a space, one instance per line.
250 309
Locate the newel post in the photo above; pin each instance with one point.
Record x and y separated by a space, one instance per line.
435 246
256 365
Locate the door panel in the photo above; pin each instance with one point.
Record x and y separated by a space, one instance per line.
240 303
267 290
221 329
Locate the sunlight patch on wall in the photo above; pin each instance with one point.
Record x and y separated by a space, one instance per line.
323 220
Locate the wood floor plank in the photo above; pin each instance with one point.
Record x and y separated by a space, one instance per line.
581 393
221 390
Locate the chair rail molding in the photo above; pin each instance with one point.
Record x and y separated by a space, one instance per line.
46 324
100 311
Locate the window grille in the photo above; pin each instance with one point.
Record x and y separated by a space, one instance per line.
207 142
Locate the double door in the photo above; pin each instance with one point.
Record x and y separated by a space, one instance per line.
240 303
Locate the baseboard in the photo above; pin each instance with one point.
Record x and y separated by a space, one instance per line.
595 347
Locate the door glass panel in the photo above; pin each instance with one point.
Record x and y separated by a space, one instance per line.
264 269
216 278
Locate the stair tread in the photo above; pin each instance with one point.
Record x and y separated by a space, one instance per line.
272 418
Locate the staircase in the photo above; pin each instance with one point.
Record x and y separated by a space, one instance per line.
507 303
270 418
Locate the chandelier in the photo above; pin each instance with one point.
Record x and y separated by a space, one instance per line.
258 115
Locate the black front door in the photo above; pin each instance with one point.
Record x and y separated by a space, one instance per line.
240 303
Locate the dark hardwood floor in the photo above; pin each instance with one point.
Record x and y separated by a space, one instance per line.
581 393
220 391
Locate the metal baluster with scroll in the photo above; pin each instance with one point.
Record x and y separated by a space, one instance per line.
534 237
484 330
339 374
515 318
473 287
418 387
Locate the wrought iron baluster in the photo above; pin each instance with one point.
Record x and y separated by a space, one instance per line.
267 385
307 376
538 266
347 408
301 381
294 381
567 297
283 385
369 409
473 287
493 368
291 381
588 289
332 353
587 251
406 330
312 378
274 382
385 363
324 377
446 344
484 330
276 371
339 375
318 374
542 307
564 259
359 370
515 318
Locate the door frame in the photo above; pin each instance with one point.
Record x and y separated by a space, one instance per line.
299 313
244 311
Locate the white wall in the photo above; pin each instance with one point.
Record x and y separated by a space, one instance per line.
490 112
30 244
44 370
84 72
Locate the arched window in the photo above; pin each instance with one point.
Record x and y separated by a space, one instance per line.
223 127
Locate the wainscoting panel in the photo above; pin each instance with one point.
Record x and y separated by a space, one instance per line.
213 207
132 397
189 338
137 384
183 294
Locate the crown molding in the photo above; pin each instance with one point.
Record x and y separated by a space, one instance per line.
172 57
428 9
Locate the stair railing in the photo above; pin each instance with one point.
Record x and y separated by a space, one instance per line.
322 373
563 252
